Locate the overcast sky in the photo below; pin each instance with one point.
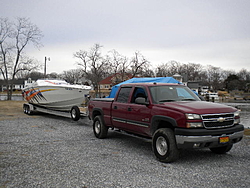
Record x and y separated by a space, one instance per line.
208 32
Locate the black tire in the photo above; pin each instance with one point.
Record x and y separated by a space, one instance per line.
164 145
25 109
100 130
222 150
75 113
28 110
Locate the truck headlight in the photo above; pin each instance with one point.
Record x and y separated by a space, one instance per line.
193 116
194 125
237 117
237 113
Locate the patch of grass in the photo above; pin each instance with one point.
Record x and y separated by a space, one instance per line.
11 109
12 104
14 92
247 132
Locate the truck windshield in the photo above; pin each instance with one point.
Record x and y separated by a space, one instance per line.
162 94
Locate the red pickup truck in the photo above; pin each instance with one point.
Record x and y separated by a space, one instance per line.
171 114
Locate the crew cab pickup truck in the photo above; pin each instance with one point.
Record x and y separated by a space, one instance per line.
171 114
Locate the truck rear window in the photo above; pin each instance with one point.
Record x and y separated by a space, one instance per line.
123 95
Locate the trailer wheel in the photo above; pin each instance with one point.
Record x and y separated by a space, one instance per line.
164 145
75 113
222 150
100 130
27 110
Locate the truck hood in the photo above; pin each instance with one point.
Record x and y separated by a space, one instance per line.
199 107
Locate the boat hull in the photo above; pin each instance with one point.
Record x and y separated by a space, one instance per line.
57 97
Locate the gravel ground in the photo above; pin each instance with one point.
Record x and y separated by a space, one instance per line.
50 151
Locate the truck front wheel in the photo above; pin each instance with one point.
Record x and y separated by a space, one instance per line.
222 150
164 145
100 130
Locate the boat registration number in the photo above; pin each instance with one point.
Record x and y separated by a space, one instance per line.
224 139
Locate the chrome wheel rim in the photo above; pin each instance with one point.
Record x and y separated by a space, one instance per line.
97 127
73 113
161 145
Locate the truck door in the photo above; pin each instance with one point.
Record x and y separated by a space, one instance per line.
138 115
120 108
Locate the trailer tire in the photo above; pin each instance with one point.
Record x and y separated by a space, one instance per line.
27 110
99 128
75 113
164 145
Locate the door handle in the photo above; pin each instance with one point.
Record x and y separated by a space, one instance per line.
115 107
129 109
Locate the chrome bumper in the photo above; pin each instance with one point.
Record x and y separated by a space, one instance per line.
206 141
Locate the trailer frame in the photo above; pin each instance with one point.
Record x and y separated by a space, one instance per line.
75 113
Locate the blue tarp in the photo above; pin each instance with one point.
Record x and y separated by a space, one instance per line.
143 80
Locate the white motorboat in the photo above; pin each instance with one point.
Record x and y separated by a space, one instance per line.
55 94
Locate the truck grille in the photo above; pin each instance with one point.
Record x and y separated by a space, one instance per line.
211 121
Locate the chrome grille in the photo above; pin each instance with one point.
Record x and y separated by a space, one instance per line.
211 121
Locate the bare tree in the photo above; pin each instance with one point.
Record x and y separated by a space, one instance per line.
72 76
34 75
194 71
161 70
138 64
169 69
15 37
226 73
148 73
244 74
118 64
174 67
93 65
214 77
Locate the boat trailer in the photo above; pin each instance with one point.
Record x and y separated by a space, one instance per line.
75 113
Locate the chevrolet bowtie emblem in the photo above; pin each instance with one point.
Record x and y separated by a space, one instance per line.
221 119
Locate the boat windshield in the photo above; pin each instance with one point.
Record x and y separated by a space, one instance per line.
161 94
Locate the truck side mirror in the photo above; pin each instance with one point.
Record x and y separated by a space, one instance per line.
141 100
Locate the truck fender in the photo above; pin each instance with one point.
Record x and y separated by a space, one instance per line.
155 123
96 112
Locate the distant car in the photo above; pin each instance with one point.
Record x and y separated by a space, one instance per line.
212 96
238 97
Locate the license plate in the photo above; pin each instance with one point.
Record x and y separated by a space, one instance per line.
224 139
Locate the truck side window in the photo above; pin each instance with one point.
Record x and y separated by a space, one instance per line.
138 92
123 94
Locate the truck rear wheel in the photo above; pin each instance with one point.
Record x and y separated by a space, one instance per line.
75 113
164 145
222 150
100 130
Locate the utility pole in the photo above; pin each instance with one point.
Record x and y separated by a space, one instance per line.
45 66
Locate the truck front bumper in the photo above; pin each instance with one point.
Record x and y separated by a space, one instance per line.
199 138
